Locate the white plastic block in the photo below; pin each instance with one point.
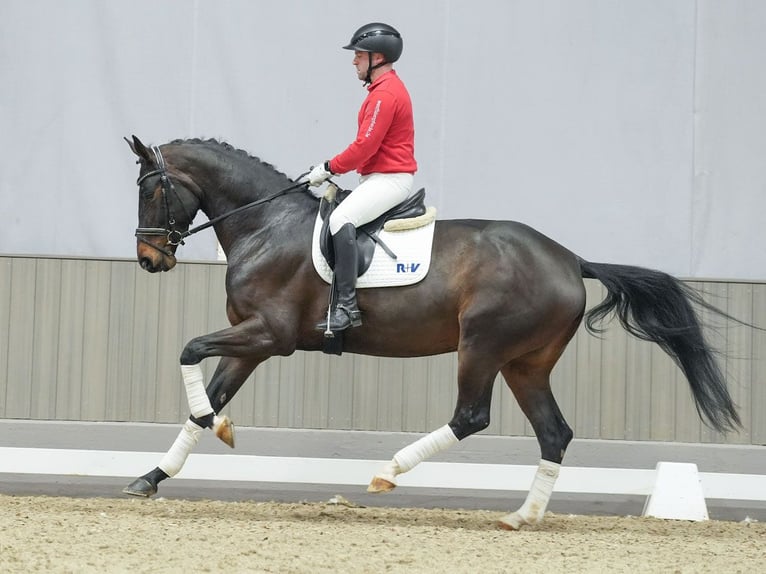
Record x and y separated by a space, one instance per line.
677 493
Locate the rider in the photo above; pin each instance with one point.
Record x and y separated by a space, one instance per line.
382 154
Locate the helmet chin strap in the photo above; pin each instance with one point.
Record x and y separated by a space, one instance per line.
370 68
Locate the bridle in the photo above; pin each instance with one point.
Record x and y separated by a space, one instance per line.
176 236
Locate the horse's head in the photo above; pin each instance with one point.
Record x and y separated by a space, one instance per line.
166 208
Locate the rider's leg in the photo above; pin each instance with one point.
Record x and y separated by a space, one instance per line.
376 194
345 312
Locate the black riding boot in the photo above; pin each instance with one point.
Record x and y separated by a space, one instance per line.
344 313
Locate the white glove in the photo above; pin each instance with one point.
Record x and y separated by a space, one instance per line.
318 175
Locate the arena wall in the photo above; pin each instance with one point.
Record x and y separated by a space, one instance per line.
99 340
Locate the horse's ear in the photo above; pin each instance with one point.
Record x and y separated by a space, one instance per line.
139 149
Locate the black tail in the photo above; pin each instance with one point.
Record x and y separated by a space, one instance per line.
657 307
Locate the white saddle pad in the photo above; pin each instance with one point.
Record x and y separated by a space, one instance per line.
412 248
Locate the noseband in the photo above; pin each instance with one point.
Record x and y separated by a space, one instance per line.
174 236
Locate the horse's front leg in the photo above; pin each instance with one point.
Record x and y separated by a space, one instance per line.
250 340
230 375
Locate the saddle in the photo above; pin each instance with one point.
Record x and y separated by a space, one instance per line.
367 235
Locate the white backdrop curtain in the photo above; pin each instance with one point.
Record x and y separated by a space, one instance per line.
631 132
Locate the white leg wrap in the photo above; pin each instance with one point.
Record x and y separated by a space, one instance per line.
533 509
175 458
199 404
423 448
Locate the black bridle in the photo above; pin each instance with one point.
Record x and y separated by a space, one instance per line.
176 236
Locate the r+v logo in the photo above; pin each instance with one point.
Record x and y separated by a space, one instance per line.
407 267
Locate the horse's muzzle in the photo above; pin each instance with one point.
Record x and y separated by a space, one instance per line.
154 259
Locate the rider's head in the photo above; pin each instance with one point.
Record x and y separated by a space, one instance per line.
381 42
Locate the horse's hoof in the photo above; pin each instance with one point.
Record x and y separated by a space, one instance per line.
140 487
506 525
378 484
512 522
224 430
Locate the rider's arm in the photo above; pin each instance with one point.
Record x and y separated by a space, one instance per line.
376 116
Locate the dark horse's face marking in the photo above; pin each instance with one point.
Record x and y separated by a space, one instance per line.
161 211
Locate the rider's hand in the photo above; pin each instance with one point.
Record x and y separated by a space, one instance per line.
319 174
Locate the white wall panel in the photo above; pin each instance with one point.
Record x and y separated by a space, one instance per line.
630 131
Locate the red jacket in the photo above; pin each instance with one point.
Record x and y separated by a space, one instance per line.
385 142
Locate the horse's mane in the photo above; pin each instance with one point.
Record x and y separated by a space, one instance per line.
212 142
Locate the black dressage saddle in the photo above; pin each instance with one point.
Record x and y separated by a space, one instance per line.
367 235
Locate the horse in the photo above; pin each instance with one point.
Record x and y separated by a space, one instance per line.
505 297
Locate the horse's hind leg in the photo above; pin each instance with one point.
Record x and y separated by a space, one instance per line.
531 387
475 382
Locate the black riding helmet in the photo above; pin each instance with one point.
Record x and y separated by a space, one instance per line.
379 38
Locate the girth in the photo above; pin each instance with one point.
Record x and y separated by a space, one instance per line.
367 235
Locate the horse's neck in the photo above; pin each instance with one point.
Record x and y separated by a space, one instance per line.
259 224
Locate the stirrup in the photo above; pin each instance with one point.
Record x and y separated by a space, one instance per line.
344 318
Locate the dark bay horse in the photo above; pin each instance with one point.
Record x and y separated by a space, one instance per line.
505 297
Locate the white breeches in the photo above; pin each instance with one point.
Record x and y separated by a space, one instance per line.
375 194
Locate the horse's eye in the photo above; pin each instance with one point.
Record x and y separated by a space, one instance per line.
147 193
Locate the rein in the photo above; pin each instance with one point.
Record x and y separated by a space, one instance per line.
215 220
175 236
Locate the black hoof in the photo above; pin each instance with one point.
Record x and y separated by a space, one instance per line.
140 487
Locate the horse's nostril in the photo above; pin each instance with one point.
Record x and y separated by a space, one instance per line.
145 263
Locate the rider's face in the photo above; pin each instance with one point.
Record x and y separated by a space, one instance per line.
361 63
